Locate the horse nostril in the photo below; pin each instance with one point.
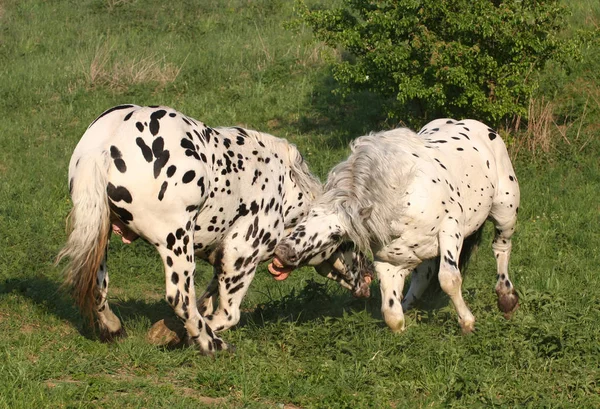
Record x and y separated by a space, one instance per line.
282 251
286 253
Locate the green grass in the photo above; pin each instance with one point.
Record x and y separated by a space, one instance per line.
303 342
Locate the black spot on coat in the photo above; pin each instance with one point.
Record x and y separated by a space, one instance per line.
154 124
108 111
146 151
163 188
160 163
188 176
118 193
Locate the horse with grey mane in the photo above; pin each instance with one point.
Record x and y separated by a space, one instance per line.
411 198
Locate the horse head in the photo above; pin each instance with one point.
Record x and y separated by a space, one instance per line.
319 240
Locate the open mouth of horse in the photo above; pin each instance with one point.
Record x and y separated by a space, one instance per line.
279 271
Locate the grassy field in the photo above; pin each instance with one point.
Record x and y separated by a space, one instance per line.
304 342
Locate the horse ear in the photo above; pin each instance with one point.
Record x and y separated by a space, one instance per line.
365 212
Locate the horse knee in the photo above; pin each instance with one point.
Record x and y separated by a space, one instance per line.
450 281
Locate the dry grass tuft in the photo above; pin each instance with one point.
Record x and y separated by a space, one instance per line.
538 134
107 69
542 132
112 4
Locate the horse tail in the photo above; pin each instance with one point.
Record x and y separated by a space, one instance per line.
88 227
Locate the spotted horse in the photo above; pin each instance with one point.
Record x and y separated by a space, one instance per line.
225 195
411 198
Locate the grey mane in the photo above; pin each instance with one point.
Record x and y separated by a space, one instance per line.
367 189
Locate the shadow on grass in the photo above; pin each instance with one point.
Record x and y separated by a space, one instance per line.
312 303
47 293
315 301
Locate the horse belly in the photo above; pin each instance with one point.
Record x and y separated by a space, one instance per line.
409 250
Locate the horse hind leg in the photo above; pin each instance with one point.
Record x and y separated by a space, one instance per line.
508 299
109 323
504 216
207 303
420 279
234 277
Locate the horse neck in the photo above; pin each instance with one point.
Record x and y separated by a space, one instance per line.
301 187
296 203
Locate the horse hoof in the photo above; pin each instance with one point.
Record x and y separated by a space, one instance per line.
508 303
220 345
169 332
111 336
216 345
467 327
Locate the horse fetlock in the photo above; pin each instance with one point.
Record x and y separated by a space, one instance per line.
206 305
221 321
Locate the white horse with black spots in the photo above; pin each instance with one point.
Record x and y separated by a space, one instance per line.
411 198
225 195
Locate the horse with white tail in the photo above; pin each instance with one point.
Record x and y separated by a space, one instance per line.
411 198
225 195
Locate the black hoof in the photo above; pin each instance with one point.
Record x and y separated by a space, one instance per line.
108 336
216 345
220 345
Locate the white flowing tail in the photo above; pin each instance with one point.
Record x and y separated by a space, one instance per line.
88 225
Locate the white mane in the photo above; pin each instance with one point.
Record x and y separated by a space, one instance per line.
299 172
367 189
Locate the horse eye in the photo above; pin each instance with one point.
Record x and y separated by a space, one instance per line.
336 237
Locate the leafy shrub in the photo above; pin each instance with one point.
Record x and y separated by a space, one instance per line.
435 58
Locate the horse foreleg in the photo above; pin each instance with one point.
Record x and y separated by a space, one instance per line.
450 278
419 281
178 258
391 283
234 275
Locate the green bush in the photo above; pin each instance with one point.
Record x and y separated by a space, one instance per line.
435 58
